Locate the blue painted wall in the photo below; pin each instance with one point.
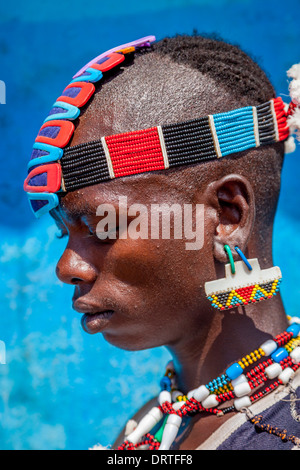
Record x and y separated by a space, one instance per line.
60 388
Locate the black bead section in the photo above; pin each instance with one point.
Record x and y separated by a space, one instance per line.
189 142
84 165
265 120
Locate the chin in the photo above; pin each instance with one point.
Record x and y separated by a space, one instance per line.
131 342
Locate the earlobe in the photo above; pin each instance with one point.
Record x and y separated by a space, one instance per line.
233 200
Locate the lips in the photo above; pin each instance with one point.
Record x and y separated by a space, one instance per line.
95 316
96 322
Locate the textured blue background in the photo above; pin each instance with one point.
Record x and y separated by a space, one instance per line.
60 388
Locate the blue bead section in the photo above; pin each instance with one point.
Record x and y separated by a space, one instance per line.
90 75
54 153
294 328
72 112
235 130
235 301
165 383
51 200
259 295
234 371
217 383
279 355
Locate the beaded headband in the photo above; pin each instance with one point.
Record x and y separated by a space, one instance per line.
55 169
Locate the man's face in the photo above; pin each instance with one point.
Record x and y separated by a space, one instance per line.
139 293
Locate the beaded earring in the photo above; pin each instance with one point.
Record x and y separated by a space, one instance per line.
244 283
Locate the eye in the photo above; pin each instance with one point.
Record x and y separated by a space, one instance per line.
106 236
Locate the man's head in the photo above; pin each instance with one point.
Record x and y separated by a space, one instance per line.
155 286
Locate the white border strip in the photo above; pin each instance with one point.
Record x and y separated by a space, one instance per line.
108 159
255 126
163 147
214 134
274 119
63 186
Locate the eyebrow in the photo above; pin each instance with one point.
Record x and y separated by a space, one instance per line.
76 213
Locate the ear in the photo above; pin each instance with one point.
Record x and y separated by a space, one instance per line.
233 203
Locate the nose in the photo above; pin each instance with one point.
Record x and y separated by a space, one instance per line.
74 269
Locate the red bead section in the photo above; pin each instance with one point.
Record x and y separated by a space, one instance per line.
135 152
53 172
291 108
148 440
283 338
281 116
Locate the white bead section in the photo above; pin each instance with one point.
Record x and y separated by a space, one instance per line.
130 427
191 393
242 389
239 380
164 396
243 402
269 347
295 355
286 375
200 393
170 431
179 404
294 320
210 402
145 425
273 370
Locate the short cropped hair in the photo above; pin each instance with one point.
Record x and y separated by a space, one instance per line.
227 64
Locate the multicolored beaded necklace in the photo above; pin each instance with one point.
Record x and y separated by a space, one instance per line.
276 361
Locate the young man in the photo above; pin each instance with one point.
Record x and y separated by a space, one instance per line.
148 291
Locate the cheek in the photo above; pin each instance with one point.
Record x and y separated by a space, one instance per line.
162 269
140 263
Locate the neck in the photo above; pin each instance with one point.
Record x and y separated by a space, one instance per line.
204 354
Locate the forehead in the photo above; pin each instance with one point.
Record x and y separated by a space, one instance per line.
148 188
